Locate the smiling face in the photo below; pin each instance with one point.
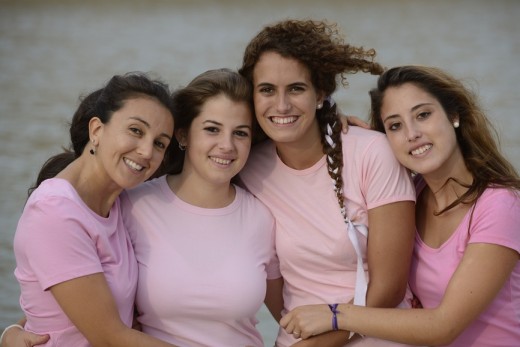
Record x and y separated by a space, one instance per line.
217 142
285 99
421 135
132 144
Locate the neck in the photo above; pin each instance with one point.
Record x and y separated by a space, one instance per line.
98 192
302 154
199 194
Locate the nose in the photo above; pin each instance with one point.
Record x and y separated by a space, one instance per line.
145 149
282 103
226 142
412 133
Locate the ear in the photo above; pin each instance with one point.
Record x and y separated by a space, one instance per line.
95 130
181 136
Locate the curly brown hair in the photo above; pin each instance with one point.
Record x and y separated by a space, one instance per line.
476 136
320 47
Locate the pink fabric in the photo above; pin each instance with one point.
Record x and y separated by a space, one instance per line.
317 260
496 220
59 238
202 272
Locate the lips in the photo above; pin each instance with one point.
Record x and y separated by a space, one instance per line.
221 161
132 164
283 120
421 150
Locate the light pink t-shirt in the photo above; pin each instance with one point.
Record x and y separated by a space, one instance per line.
58 239
317 259
496 220
202 272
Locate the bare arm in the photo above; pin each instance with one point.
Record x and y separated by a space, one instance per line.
389 251
274 298
473 286
89 304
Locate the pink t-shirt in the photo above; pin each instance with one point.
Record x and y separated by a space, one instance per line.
202 272
317 259
58 239
496 220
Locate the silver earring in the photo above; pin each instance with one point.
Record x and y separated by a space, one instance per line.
319 106
456 124
182 147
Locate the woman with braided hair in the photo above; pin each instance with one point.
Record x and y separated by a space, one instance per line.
349 240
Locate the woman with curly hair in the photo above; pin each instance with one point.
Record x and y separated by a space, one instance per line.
349 240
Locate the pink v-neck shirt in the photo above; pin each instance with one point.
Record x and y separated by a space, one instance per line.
317 259
202 272
58 239
496 220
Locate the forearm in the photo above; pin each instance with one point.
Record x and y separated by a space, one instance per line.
409 326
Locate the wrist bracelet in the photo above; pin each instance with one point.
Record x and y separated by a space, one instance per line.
9 327
334 310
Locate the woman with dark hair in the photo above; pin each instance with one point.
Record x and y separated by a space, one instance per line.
74 259
465 267
347 240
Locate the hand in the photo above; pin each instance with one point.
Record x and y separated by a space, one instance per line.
306 321
347 120
15 337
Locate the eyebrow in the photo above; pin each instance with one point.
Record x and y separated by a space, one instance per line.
146 124
412 109
220 124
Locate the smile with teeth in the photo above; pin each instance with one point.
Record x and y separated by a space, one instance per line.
421 149
133 164
221 161
283 120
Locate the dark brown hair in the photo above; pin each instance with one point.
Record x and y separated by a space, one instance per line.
476 136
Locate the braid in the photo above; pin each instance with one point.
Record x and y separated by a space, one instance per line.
330 128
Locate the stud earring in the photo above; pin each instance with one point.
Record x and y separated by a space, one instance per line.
456 124
182 147
92 150
319 106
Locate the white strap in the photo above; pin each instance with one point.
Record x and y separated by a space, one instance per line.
361 280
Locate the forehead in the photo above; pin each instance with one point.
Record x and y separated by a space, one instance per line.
222 109
273 66
406 94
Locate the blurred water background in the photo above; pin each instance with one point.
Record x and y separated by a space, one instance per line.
53 51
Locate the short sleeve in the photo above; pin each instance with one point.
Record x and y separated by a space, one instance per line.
55 243
384 179
496 219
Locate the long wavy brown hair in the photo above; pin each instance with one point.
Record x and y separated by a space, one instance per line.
477 138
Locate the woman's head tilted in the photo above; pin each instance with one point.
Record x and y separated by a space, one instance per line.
99 108
473 134
223 98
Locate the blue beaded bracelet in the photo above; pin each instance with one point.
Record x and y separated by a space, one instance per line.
334 310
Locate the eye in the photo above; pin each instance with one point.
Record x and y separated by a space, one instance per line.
160 144
241 133
211 129
424 114
296 89
266 90
394 126
136 131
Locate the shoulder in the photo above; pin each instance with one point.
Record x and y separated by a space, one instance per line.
55 197
145 190
251 202
500 200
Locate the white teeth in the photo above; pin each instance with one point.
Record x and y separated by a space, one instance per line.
421 150
133 164
221 161
283 120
